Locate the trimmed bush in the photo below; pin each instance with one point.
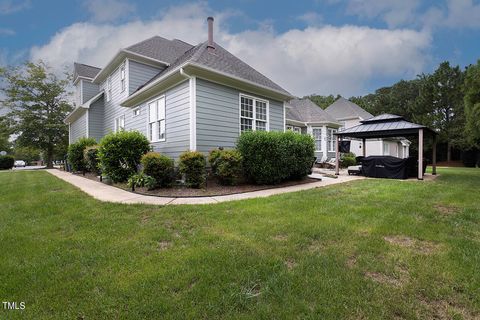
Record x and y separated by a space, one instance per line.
75 153
142 180
226 165
273 157
160 167
90 156
6 162
120 153
347 159
192 165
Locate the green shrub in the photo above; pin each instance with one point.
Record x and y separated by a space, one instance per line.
226 165
142 180
6 162
90 157
75 153
347 159
192 165
160 167
273 157
120 153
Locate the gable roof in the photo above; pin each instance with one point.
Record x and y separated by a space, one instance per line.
345 109
161 49
84 70
220 60
304 110
384 117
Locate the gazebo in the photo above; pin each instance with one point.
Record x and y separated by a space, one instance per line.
387 126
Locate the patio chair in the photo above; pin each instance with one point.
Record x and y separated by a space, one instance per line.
322 160
331 163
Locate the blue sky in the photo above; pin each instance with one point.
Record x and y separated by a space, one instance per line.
350 47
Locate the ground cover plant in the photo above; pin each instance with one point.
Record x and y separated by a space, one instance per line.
368 249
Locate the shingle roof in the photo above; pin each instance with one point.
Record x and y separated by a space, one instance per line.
343 109
223 61
382 118
84 70
161 49
304 110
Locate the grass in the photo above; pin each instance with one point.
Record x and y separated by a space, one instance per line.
376 249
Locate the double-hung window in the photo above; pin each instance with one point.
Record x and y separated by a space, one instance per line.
120 123
331 139
156 120
122 78
109 88
317 136
253 114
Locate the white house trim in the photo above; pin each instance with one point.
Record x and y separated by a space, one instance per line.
193 113
87 120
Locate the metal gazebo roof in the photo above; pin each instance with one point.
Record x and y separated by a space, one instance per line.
383 126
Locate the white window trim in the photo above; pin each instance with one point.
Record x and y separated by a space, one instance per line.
123 82
148 118
329 144
254 119
297 130
321 138
288 127
135 110
109 88
116 123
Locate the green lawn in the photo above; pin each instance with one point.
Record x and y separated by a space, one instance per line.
370 249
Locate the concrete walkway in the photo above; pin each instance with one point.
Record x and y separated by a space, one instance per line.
108 193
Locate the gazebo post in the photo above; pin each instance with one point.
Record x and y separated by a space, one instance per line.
434 155
337 156
420 154
364 143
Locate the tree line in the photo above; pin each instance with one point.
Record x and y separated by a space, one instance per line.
447 100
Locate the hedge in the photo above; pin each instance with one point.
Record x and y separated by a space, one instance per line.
192 164
273 157
347 160
6 162
120 153
226 165
160 167
75 153
90 157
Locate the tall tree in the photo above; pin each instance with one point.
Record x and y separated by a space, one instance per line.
440 104
38 102
5 132
472 104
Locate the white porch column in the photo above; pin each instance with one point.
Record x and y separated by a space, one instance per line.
364 145
420 154
337 157
324 141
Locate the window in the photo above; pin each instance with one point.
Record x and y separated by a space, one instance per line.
122 77
331 140
317 136
120 123
156 120
253 114
297 130
136 112
109 89
386 149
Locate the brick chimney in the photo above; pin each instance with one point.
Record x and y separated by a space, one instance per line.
210 33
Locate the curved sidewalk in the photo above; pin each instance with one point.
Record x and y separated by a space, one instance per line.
108 193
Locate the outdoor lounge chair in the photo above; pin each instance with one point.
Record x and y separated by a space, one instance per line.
331 163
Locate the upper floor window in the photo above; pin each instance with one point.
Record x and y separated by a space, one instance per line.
122 78
253 114
156 120
331 140
317 136
109 88
120 123
136 112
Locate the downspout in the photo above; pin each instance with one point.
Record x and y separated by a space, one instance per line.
193 108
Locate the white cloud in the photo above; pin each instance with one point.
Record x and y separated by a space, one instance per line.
393 12
324 59
109 10
463 13
9 6
311 18
6 32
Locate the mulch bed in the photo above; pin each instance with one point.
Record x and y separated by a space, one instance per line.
213 188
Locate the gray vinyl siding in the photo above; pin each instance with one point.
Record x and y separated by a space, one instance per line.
112 108
95 120
139 74
177 121
89 90
218 115
78 128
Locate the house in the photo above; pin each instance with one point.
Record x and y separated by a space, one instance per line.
349 114
305 117
181 97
